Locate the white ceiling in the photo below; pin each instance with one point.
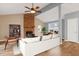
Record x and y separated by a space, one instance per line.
50 15
17 8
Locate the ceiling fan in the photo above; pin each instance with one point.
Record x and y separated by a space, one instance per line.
33 9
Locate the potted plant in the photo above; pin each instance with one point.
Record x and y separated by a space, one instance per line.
44 30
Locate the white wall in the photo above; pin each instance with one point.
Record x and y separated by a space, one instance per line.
37 23
69 7
5 20
10 19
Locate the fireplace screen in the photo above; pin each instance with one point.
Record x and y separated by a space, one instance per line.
29 34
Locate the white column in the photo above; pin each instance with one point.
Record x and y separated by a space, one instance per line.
60 23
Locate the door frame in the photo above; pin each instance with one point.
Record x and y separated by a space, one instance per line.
70 16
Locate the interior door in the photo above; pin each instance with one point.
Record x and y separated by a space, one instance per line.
72 29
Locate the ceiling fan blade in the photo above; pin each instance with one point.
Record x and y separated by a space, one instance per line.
37 7
27 7
39 11
27 11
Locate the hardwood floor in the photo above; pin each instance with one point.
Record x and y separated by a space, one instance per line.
66 49
10 51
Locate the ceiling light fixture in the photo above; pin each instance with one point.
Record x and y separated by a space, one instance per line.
32 11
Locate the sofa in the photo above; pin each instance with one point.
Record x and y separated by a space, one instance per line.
36 45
